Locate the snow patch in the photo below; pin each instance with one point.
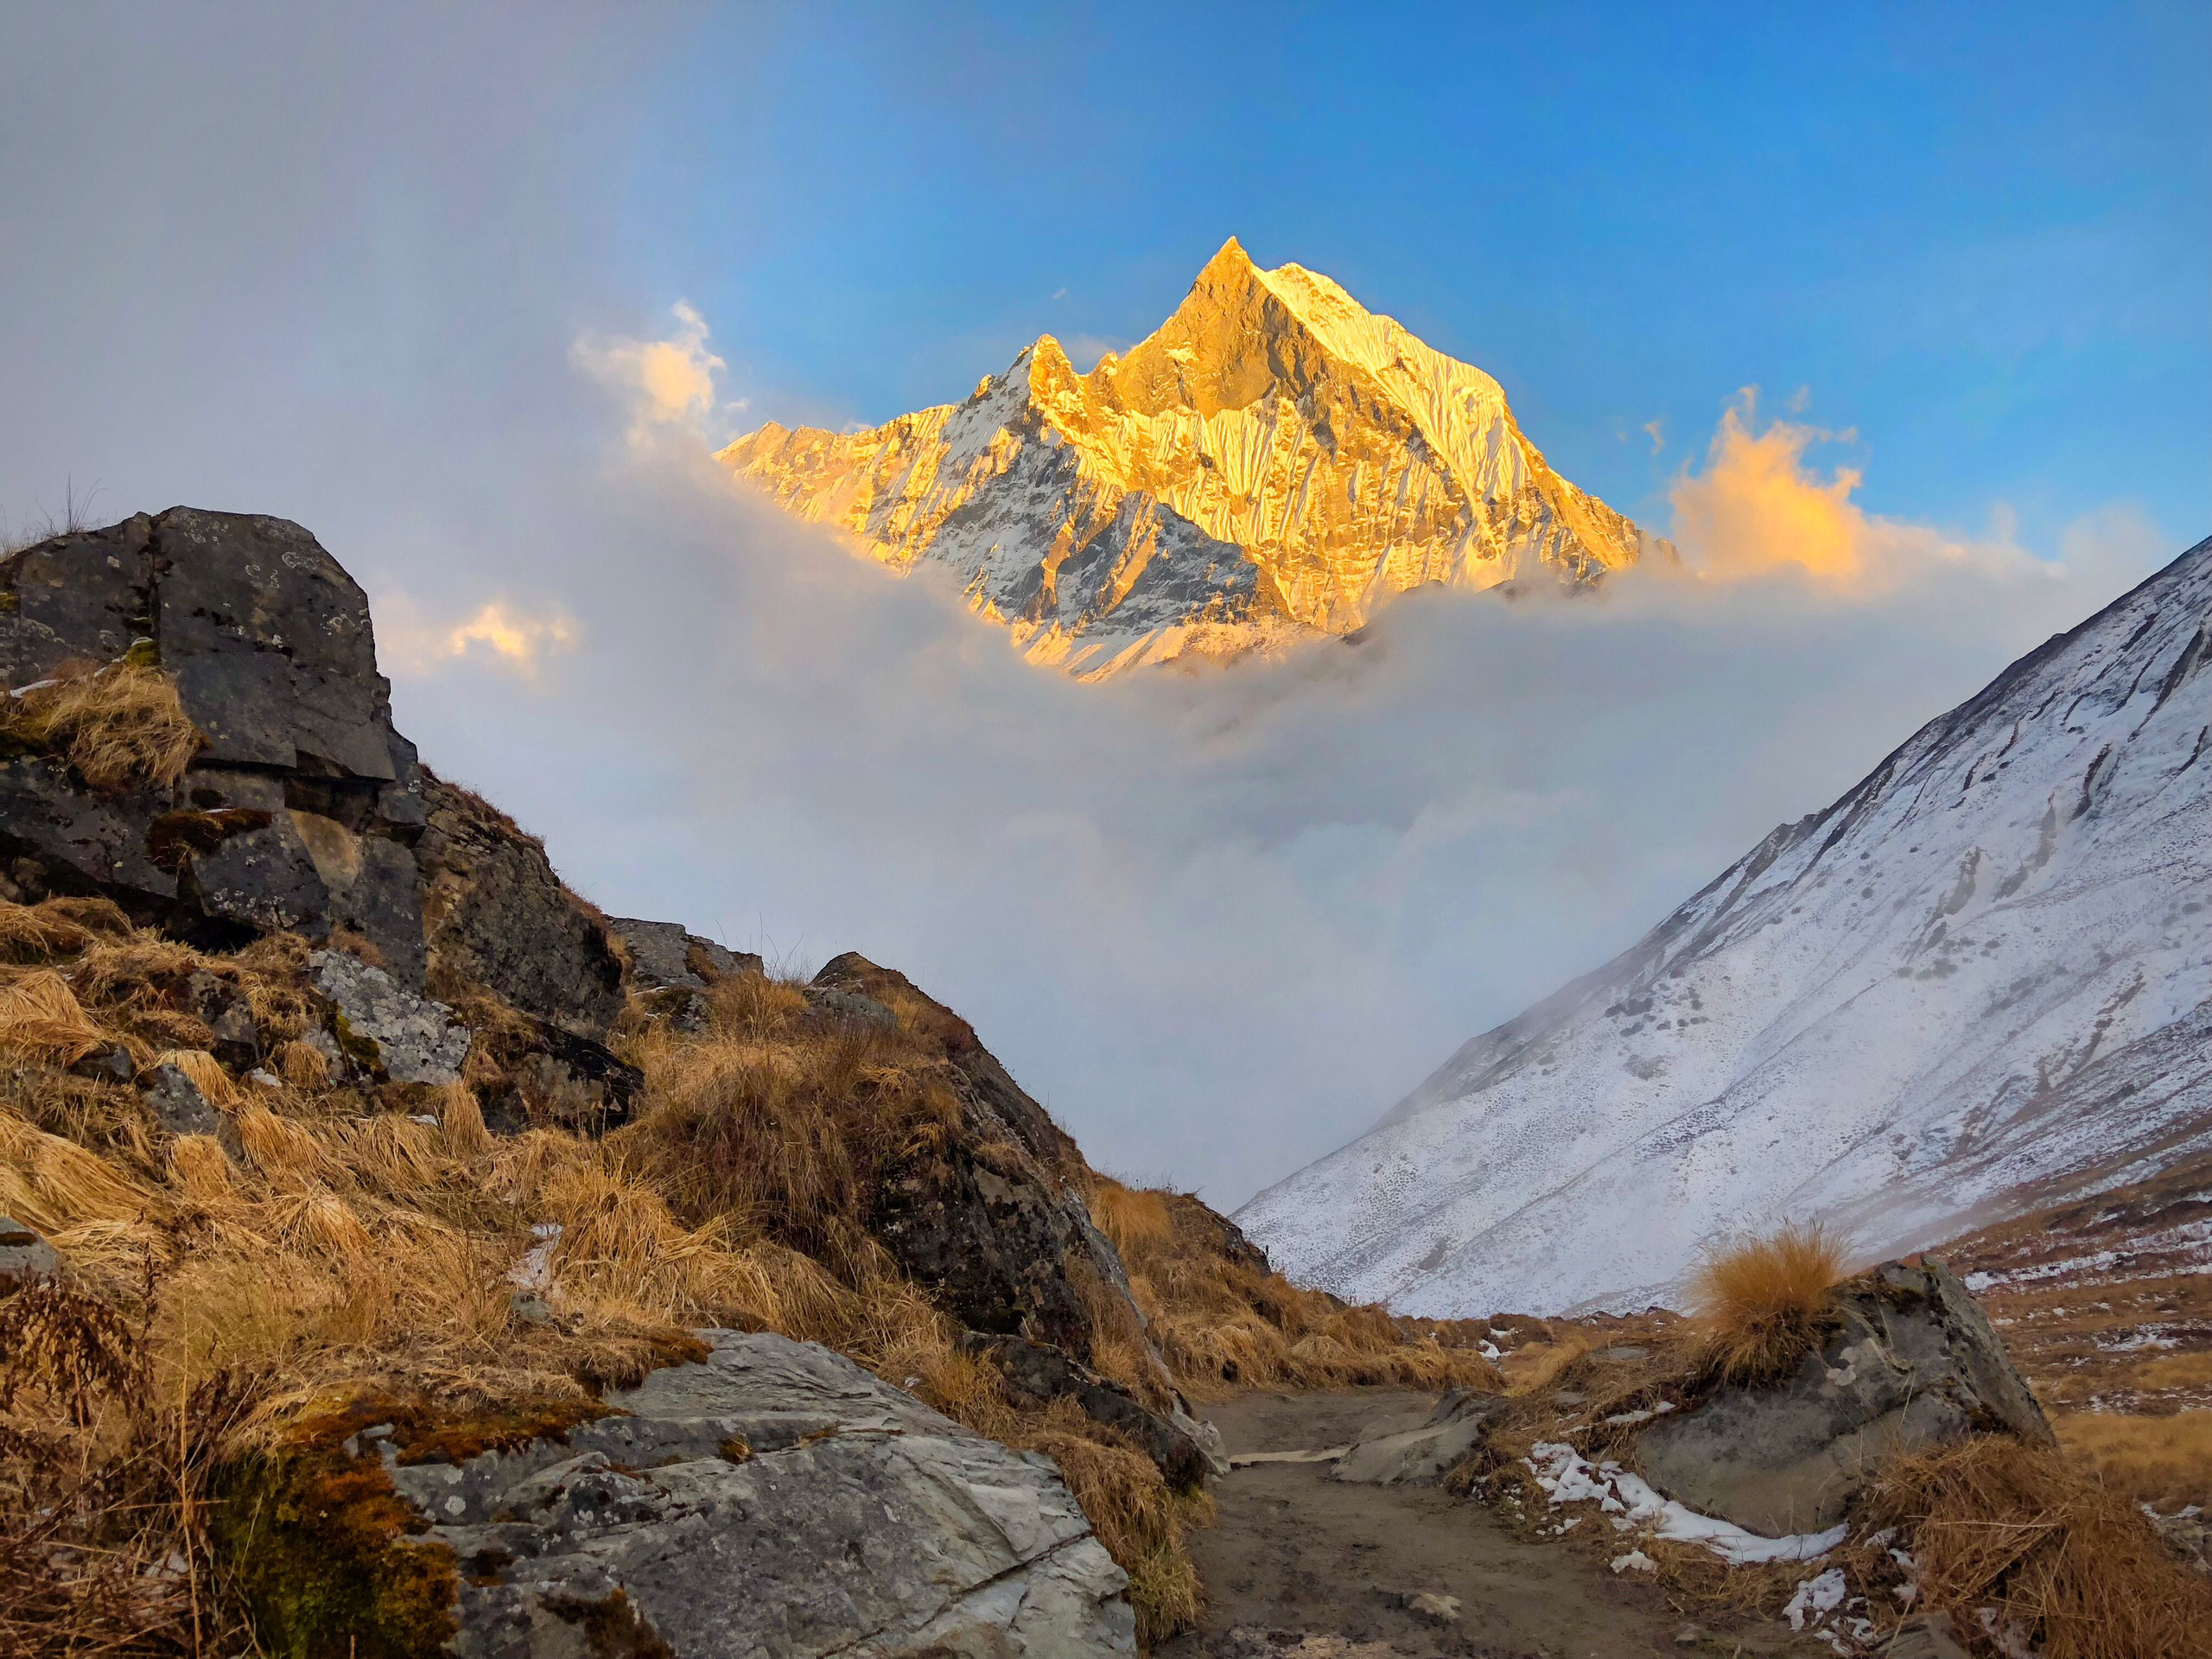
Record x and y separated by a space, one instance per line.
1568 1478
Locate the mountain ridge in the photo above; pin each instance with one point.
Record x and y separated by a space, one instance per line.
1272 463
2004 1003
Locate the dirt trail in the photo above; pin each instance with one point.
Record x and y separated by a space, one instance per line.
1305 1567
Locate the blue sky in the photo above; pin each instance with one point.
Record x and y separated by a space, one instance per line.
343 265
1978 235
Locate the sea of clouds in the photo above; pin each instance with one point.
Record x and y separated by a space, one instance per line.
1218 921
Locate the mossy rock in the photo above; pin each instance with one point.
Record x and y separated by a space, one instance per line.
329 1559
360 1048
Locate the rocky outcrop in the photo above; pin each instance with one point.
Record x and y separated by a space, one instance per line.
1422 1456
665 957
497 916
1184 1449
304 812
300 809
1912 1363
1028 1123
991 1222
775 1501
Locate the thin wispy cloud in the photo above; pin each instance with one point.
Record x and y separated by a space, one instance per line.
517 638
662 383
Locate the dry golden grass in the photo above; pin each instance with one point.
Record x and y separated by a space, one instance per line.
1762 1304
1139 1521
1221 1324
119 726
347 1251
771 1117
40 933
42 1020
52 1185
105 1486
2074 1570
2176 1371
2165 1462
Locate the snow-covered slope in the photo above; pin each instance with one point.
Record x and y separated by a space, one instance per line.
1979 982
1273 461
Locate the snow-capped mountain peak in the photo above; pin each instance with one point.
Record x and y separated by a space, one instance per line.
1273 460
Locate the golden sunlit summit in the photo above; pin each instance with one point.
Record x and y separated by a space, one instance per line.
1276 460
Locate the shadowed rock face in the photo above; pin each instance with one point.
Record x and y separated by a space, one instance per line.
304 810
778 1501
991 1223
300 811
1915 1363
496 913
1184 1450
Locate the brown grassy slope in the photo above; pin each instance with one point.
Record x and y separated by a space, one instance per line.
2056 1550
1223 1320
2106 1304
330 1245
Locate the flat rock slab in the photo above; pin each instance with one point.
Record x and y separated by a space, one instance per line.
1388 1454
776 1501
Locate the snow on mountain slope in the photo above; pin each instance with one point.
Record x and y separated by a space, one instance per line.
1979 982
1273 461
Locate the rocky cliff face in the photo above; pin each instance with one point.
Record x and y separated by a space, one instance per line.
1977 983
1275 460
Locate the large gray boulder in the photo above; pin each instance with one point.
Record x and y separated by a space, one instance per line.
383 1027
300 809
775 1501
1914 1364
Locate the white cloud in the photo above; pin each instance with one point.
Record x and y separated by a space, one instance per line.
497 633
1758 508
1084 350
664 382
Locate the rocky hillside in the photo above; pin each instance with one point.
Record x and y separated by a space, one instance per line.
1273 460
1979 982
399 1256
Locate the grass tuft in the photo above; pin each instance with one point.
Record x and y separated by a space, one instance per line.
119 727
42 1020
2071 1569
1762 1304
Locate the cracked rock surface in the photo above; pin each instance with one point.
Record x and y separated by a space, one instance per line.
411 1038
776 1501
